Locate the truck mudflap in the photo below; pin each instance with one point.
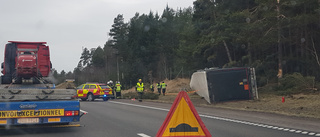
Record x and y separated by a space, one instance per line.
40 113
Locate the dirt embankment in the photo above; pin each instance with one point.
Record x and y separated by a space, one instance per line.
66 85
303 105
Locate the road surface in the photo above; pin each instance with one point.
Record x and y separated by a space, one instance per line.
127 118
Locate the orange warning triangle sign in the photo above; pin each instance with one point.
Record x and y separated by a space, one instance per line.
183 120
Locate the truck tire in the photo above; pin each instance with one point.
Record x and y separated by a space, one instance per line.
6 79
90 97
83 99
10 56
18 80
35 80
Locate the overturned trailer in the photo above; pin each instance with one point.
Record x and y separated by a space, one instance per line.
225 84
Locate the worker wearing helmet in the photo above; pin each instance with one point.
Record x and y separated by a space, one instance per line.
151 87
111 85
163 86
159 88
118 90
139 89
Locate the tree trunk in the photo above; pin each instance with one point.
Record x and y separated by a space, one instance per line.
228 52
163 61
249 53
315 54
280 73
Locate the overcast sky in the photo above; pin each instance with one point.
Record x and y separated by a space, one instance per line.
69 25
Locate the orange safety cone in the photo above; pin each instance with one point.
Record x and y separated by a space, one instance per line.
283 100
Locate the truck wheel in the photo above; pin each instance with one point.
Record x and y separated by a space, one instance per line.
35 80
6 79
83 99
90 97
10 58
18 80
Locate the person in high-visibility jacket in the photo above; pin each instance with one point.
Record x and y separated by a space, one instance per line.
151 88
118 90
159 88
163 86
139 89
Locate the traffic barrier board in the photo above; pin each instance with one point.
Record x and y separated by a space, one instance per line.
183 120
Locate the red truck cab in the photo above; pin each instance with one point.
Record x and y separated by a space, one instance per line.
25 60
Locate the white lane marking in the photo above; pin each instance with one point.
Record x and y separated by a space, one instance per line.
269 126
311 134
259 125
292 130
229 120
143 135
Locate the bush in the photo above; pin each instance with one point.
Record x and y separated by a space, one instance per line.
130 95
146 95
262 81
294 83
150 95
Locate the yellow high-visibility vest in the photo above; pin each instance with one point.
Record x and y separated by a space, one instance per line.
118 87
139 87
164 85
158 85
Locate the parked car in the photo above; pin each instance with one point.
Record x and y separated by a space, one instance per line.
91 91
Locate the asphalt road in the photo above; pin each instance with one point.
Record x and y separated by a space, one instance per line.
126 118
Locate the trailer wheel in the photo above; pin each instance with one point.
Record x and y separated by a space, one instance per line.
90 97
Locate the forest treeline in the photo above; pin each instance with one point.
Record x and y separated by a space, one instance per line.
276 37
